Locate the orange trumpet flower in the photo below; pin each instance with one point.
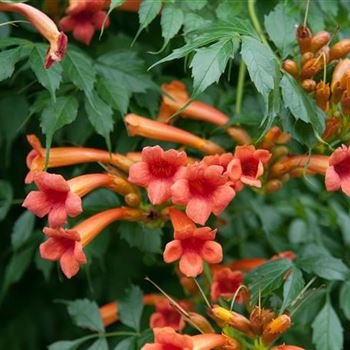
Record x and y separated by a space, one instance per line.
63 156
145 127
58 40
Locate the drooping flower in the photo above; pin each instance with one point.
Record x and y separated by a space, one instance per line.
65 246
338 171
158 171
167 339
225 284
54 199
248 165
83 18
58 40
63 156
203 189
140 126
191 245
166 316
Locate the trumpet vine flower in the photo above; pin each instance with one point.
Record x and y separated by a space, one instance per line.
158 171
139 126
83 18
45 26
191 245
167 316
203 189
65 245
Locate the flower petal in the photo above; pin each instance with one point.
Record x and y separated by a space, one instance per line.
37 203
191 264
84 32
332 179
212 252
198 209
73 204
69 265
159 191
51 182
139 174
52 249
57 216
180 193
173 251
183 225
221 198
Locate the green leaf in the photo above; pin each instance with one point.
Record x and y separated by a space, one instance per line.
114 4
85 314
114 94
210 62
99 200
329 7
171 21
80 71
45 266
148 11
195 5
17 266
325 266
58 114
99 344
300 104
4 29
48 78
267 278
22 229
68 344
280 26
344 299
292 287
142 237
6 196
261 64
100 116
130 307
126 344
327 329
228 9
9 58
126 69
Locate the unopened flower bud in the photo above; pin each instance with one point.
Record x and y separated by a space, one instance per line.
291 67
233 319
308 85
273 186
270 137
287 347
322 95
275 328
201 322
319 40
345 103
279 152
311 67
304 38
333 124
340 49
307 56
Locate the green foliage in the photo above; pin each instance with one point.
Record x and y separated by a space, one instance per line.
6 196
131 307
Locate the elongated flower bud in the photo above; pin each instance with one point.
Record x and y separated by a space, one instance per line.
340 70
201 322
63 156
233 319
345 103
239 135
259 318
109 313
58 40
155 130
319 40
273 186
291 67
322 95
275 328
333 125
304 38
246 264
307 56
311 67
340 49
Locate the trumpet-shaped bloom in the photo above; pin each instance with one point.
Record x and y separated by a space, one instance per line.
248 165
225 284
167 339
166 316
203 189
219 159
65 246
338 172
191 245
54 199
158 171
45 25
83 18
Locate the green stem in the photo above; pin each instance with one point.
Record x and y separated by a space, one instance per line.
121 334
255 21
240 86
